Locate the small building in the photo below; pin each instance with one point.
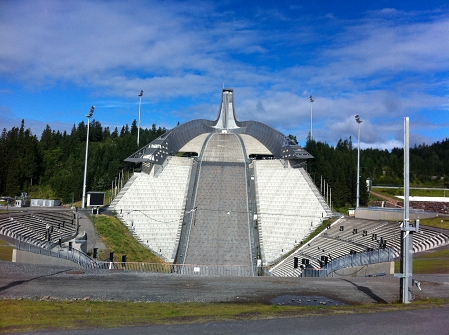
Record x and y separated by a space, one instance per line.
21 203
45 202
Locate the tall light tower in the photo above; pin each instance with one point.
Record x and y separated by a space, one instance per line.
359 121
89 115
138 122
311 115
407 229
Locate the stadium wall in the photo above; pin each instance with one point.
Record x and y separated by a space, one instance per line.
21 256
369 270
390 214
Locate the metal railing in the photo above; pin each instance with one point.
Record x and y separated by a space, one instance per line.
348 261
181 269
68 253
86 262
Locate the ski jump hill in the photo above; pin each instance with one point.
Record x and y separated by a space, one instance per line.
221 192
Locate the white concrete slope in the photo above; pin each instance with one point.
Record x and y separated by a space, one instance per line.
288 209
153 206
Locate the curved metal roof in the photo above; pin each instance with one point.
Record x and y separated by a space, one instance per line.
169 143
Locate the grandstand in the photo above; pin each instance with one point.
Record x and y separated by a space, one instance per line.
44 229
151 205
350 235
288 208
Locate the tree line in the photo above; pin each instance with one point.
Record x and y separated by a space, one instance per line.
429 166
53 166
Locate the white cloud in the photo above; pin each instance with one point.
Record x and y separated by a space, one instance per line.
383 66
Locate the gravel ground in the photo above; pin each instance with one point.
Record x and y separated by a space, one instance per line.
25 281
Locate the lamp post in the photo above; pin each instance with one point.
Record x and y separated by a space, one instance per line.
89 115
138 122
311 115
359 121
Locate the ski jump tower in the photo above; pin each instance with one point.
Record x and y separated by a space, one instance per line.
227 215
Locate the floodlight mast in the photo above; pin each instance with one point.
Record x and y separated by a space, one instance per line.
311 115
406 233
138 122
359 121
407 230
89 115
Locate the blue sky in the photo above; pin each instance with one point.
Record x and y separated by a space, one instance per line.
383 60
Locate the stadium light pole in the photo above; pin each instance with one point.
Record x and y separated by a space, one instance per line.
89 115
138 122
311 115
359 121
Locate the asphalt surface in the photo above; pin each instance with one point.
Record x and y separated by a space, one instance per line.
27 281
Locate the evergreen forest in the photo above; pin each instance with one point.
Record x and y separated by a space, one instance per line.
429 167
52 166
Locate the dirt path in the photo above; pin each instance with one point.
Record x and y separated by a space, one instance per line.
392 200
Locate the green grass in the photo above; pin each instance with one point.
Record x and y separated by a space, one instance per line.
118 239
5 251
439 222
430 262
319 229
31 315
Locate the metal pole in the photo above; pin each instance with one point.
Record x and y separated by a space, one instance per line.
358 170
324 189
406 236
311 116
138 122
358 120
83 205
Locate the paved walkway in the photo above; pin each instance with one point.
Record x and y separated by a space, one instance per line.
93 240
30 281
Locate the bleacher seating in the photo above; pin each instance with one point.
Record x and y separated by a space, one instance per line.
288 208
152 206
40 228
356 235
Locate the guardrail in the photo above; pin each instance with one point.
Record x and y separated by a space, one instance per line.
181 269
84 261
348 261
70 254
